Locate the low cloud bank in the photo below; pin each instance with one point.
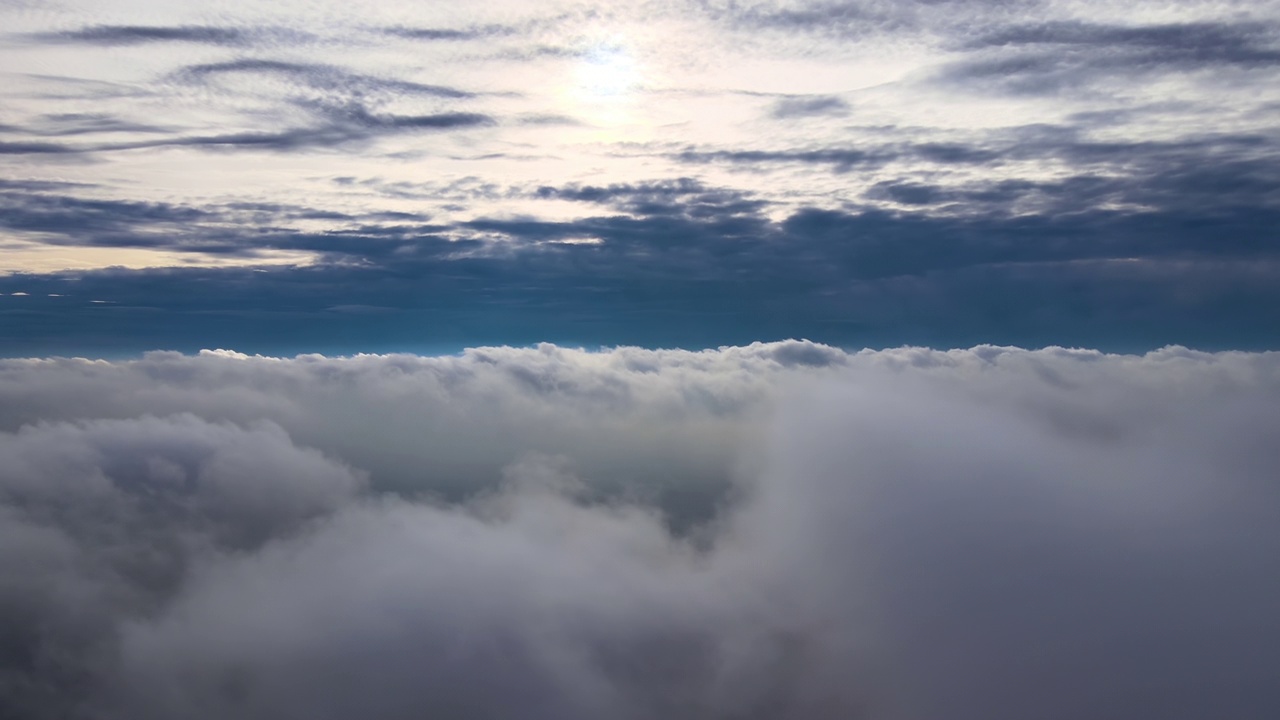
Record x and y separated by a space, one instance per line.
777 531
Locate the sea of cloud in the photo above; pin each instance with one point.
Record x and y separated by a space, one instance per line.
784 530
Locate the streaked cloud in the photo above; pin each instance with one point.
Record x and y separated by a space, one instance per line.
786 145
139 34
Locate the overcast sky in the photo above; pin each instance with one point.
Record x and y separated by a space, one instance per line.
341 176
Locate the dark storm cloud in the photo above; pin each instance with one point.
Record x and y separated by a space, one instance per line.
888 535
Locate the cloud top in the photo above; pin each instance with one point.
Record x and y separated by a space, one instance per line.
776 531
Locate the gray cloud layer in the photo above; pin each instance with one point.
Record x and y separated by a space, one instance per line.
776 531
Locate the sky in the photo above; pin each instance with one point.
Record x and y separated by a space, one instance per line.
671 360
387 176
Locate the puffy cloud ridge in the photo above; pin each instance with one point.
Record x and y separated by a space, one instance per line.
783 530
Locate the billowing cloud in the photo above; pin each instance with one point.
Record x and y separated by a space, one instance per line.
990 533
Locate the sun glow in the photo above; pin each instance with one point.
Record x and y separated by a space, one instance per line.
606 71
602 84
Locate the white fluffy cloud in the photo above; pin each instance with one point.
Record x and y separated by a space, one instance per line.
777 531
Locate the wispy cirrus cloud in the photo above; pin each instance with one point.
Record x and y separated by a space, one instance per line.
431 34
344 127
317 76
1068 56
109 35
1187 43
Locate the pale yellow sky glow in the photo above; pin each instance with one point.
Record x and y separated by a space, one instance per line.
35 257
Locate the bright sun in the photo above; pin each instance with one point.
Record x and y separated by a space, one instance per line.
607 71
602 85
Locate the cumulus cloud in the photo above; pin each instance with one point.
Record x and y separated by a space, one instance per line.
783 530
